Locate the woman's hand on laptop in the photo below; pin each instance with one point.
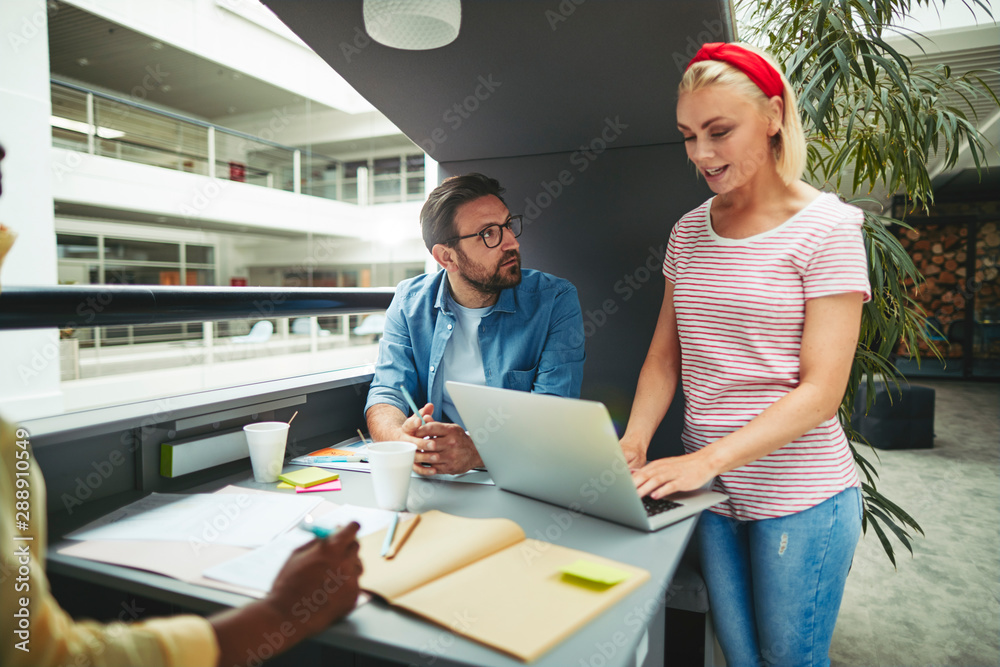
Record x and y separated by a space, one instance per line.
442 448
663 477
634 451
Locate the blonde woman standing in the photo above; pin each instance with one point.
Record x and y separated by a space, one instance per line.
760 319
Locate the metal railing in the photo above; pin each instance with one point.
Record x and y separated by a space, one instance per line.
247 335
102 124
74 306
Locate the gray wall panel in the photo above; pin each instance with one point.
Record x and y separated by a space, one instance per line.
527 76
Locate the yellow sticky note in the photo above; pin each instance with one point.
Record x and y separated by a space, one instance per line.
285 485
308 477
595 572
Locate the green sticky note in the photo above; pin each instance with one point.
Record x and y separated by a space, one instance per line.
308 477
595 572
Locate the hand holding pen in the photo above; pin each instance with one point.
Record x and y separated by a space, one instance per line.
412 404
310 565
444 448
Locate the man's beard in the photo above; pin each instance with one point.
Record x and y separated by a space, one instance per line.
486 282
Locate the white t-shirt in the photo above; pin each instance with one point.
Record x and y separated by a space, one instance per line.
740 306
463 359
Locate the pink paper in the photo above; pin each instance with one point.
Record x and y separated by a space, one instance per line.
325 486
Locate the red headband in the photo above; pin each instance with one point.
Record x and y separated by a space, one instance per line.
755 67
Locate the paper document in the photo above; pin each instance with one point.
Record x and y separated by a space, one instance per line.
370 519
238 519
259 568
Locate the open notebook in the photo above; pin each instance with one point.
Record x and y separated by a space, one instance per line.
511 592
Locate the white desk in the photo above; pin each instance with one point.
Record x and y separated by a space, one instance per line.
377 629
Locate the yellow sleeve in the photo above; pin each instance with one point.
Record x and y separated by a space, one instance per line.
34 630
7 237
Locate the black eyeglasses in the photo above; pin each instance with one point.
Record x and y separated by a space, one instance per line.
492 235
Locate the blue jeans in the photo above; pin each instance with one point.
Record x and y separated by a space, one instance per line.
775 585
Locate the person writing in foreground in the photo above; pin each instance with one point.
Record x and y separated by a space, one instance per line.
760 320
44 634
482 320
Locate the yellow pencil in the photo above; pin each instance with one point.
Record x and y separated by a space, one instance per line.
402 538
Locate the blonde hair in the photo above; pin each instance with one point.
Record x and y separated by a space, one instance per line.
789 144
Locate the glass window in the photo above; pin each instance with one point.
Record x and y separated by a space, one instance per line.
141 251
386 166
351 168
387 189
78 273
322 278
349 193
415 162
140 275
200 254
71 246
295 279
203 277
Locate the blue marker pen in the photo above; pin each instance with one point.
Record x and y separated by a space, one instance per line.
413 406
320 532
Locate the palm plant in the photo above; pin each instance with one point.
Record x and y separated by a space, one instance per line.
870 110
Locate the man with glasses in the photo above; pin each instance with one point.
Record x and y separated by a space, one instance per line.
481 320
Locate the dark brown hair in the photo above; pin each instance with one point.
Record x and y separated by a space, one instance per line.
437 217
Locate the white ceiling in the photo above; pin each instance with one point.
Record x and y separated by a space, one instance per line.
138 67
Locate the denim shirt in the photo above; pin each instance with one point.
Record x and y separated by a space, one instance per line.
532 341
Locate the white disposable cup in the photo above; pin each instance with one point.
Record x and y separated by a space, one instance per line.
391 463
267 449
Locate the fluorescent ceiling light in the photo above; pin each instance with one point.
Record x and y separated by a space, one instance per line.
84 128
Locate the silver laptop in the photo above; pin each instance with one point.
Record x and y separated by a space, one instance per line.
564 451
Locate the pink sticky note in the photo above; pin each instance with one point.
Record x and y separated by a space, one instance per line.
325 486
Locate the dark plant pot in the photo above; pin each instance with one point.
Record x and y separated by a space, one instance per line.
904 422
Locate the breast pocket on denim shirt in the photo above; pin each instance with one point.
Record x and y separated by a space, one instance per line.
520 380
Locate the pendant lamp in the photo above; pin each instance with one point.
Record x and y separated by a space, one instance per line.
414 25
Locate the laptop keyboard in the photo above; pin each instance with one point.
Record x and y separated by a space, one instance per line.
658 506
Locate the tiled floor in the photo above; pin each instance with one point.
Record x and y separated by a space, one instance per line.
942 606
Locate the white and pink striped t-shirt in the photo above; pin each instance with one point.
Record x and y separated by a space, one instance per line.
740 307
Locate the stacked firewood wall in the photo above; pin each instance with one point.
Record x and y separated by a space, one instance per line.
940 253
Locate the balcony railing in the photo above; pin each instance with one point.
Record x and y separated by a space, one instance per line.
72 306
232 336
98 123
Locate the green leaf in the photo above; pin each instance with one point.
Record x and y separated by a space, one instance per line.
823 109
869 67
835 21
900 534
891 71
894 54
886 545
870 15
845 68
895 509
